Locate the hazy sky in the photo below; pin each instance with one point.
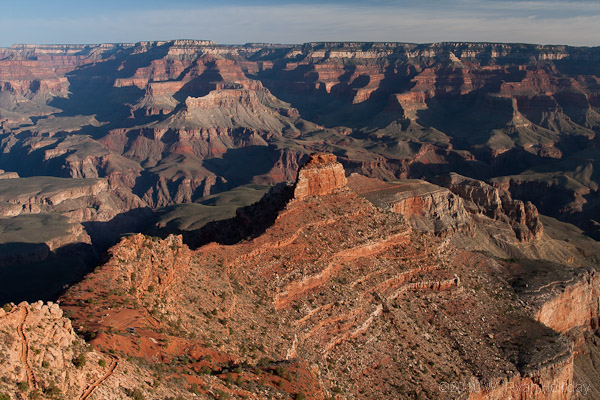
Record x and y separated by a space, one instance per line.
575 22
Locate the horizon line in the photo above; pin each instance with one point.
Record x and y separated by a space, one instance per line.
214 43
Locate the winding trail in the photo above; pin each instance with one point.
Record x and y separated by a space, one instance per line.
111 369
25 351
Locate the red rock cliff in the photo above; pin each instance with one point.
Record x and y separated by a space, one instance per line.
321 175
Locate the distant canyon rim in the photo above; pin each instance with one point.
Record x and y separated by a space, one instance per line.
329 219
116 136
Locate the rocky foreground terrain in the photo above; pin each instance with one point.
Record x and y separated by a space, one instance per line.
334 287
97 137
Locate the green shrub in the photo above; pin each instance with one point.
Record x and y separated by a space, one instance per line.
23 386
206 370
45 364
79 361
4 396
7 307
194 389
135 394
102 362
300 396
52 391
222 395
263 362
89 335
138 395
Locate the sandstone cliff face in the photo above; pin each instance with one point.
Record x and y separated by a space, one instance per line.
485 199
320 175
79 200
564 299
50 193
429 208
574 306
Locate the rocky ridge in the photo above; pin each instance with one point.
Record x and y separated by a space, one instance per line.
482 198
43 358
335 289
172 122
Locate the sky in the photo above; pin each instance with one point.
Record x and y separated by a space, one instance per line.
571 22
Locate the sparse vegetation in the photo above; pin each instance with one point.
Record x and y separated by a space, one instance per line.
135 394
79 361
23 386
206 370
194 389
52 391
222 395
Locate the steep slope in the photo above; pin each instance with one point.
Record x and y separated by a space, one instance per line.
43 358
336 298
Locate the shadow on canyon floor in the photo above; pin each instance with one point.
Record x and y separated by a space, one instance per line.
32 271
250 221
37 273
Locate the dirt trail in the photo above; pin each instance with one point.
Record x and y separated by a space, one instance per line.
25 351
111 369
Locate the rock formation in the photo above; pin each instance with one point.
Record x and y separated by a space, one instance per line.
429 208
42 357
319 176
505 130
482 110
338 297
485 199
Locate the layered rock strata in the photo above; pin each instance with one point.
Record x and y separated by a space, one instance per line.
488 200
346 294
319 176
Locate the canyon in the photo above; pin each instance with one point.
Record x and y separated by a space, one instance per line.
335 220
345 294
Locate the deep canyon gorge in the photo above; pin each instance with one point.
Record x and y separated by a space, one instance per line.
329 220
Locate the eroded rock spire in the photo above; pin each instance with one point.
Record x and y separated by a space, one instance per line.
322 174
